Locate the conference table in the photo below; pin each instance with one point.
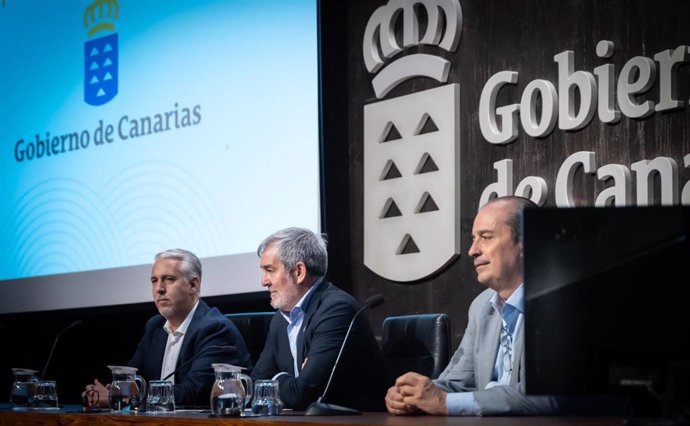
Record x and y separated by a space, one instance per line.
71 416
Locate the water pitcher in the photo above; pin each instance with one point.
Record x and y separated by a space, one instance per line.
126 389
231 391
23 388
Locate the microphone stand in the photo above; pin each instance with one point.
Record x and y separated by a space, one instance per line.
215 348
320 408
74 324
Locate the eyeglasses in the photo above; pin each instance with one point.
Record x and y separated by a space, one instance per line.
507 343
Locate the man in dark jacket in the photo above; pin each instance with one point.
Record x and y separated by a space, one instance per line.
186 327
309 327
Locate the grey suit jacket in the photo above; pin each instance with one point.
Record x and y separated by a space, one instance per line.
472 365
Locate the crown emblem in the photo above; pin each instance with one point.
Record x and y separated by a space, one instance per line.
443 29
100 16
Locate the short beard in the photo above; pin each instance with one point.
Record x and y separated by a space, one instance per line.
166 312
287 298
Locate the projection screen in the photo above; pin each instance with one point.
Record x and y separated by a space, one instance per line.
132 126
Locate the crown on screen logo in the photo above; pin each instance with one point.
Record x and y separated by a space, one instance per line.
443 29
101 54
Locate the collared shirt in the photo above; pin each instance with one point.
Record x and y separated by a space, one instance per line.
464 403
295 318
511 312
174 343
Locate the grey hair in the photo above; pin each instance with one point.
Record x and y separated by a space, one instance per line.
294 245
191 265
514 219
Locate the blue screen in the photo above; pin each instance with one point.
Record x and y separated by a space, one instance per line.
133 126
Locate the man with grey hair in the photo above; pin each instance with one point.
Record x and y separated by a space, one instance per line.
185 328
309 327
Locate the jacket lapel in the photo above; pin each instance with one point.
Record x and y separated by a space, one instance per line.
488 347
201 310
312 307
155 360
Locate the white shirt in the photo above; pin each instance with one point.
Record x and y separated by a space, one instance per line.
174 343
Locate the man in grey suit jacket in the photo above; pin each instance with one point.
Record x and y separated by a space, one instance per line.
486 375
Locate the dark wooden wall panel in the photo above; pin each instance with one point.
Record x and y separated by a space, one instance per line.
524 36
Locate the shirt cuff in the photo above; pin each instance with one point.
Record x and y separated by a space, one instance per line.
462 404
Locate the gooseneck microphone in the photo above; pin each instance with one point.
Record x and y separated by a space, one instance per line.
320 408
227 349
76 323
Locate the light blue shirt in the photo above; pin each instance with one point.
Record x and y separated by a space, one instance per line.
464 403
295 318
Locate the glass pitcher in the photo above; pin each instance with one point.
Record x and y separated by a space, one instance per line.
126 389
23 388
229 395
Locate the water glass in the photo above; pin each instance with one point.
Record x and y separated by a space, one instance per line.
266 400
160 397
45 396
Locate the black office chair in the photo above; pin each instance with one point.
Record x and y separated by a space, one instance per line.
253 327
419 343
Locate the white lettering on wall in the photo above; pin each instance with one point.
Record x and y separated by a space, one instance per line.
507 131
618 194
645 171
569 79
685 195
566 174
499 123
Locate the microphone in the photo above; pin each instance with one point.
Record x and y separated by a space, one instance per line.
76 323
227 349
320 408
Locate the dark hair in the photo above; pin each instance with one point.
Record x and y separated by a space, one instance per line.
517 205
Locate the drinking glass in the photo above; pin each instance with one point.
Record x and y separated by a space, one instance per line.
45 396
160 397
266 400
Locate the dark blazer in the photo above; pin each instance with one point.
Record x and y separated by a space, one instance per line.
358 381
209 327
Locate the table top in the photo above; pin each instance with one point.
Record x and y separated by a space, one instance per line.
73 416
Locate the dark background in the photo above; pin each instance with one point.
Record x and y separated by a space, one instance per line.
520 36
497 35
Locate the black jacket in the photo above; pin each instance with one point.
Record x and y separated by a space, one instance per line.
359 379
209 327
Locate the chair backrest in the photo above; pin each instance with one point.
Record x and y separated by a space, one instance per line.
253 327
419 343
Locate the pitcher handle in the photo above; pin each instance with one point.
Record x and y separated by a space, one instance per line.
141 382
248 387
